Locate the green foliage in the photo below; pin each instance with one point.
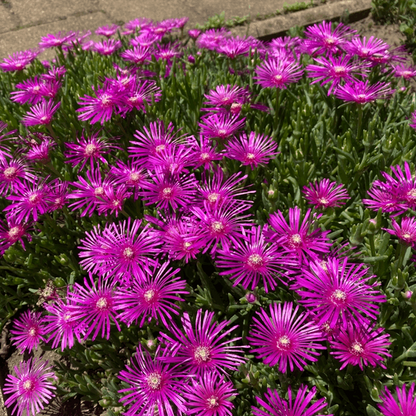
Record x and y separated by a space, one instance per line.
296 7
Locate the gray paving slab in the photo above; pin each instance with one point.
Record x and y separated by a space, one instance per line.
36 12
8 19
29 37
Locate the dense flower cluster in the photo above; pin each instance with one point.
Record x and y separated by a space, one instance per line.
188 210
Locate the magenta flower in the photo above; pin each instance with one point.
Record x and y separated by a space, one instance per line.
339 293
30 389
40 113
153 384
171 161
93 306
406 232
250 259
275 406
404 71
235 46
220 126
209 396
89 192
129 175
152 141
203 152
325 194
113 200
218 190
361 345
32 199
12 232
361 92
141 94
404 405
18 61
201 348
184 241
28 331
257 149
88 148
62 323
364 48
31 92
396 194
150 296
212 38
166 52
225 96
120 250
222 223
296 237
275 73
51 41
321 38
284 338
12 172
4 150
139 55
194 33
413 123
39 152
167 191
107 47
107 30
335 70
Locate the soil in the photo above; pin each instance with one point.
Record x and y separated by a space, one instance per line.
9 357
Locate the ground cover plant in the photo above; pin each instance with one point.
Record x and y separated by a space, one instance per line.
206 225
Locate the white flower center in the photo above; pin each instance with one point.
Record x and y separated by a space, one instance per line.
154 381
202 354
10 173
101 304
356 348
283 343
90 150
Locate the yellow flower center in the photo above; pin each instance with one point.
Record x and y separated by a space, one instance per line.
101 303
10 173
283 343
90 150
154 381
202 354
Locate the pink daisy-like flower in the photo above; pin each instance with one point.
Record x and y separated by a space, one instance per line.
404 405
334 70
89 148
222 222
61 323
339 293
120 250
275 73
220 126
203 153
93 306
4 150
130 175
364 48
167 191
235 46
28 331
255 150
145 39
107 30
12 232
251 259
171 161
321 38
39 152
31 92
101 107
406 232
89 191
212 38
59 194
113 200
41 113
219 189
30 388
404 71
362 92
202 348
51 41
139 55
296 237
12 172
141 94
153 384
19 60
226 95
361 345
184 241
32 199
413 122
194 33
152 141
138 23
325 194
107 47
150 295
209 396
276 406
167 52
284 338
